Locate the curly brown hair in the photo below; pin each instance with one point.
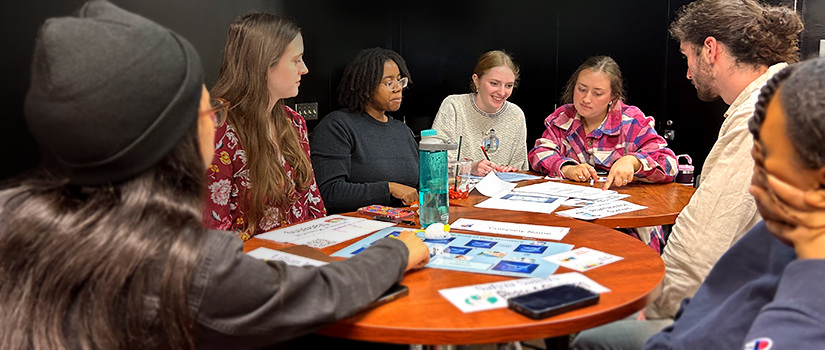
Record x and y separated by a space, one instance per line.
363 74
754 33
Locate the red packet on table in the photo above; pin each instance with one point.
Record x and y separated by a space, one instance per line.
391 212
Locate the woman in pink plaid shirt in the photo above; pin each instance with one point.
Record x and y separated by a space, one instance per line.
595 130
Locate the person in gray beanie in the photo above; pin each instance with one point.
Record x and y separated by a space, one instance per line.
104 248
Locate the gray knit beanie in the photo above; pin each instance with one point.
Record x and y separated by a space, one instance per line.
111 93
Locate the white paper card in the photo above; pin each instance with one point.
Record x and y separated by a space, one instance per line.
566 190
490 296
290 259
326 231
596 211
579 202
523 201
582 259
511 229
492 186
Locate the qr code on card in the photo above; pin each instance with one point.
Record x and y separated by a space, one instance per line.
320 243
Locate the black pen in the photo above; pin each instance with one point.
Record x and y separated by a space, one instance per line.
390 219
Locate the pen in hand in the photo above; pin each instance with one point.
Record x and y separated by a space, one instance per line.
485 154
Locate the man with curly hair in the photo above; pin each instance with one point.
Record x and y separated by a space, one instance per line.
732 48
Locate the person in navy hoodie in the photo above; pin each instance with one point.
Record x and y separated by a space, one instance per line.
766 291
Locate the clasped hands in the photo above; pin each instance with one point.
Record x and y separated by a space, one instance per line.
794 216
621 172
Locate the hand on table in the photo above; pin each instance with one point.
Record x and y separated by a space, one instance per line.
405 193
506 169
419 253
579 172
622 171
794 216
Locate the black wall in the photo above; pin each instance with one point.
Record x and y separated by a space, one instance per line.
203 23
441 41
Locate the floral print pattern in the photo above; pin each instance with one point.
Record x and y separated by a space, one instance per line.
229 185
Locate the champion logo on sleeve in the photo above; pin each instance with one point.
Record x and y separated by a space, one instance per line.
759 344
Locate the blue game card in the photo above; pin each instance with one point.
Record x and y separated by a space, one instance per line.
515 266
532 249
477 243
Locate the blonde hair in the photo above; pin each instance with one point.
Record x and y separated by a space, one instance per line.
490 60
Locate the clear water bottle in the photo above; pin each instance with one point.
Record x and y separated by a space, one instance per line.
433 197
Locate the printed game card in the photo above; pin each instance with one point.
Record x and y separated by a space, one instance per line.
582 259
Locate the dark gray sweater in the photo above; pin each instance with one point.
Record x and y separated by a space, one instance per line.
354 156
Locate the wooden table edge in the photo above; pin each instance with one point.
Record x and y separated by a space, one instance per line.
349 330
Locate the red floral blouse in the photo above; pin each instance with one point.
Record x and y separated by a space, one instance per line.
229 185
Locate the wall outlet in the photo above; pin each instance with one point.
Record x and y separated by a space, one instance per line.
307 110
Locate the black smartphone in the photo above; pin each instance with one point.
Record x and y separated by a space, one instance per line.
552 301
396 291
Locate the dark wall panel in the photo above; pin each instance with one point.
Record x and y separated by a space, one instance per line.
814 16
334 32
203 23
443 50
441 42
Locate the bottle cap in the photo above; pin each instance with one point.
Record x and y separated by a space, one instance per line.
428 132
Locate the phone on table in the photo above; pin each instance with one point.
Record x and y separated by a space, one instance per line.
552 301
389 212
396 291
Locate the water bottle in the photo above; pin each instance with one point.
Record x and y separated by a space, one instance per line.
433 197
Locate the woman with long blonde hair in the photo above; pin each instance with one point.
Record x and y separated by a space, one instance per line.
261 176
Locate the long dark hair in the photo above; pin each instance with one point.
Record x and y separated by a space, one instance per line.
255 43
112 263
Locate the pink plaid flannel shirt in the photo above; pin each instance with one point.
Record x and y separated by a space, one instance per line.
625 131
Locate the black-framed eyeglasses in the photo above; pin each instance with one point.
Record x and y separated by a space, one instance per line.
392 83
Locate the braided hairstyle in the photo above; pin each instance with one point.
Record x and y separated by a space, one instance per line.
754 33
803 101
364 73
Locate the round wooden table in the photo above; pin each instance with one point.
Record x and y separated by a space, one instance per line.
664 202
425 317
